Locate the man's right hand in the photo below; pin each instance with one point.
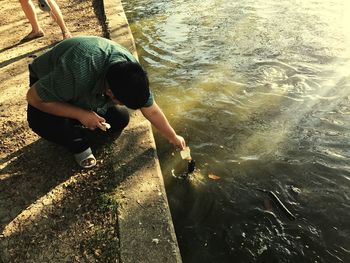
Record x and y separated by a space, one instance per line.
91 120
88 118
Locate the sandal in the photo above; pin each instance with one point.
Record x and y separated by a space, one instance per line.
85 159
66 35
32 35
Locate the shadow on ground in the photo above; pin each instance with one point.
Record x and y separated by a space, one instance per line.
53 210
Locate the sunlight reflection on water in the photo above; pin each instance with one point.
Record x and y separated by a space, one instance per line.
260 90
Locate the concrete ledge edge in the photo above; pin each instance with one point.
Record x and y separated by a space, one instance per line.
146 229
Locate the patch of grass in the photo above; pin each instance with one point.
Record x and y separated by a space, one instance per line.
103 245
108 203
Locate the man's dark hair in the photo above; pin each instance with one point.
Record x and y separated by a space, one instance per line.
129 84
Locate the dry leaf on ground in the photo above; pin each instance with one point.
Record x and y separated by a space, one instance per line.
214 177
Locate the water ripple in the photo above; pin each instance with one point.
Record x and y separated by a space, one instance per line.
260 89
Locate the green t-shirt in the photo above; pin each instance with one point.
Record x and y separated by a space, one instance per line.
74 71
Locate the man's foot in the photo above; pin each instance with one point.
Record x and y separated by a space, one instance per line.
85 159
33 35
88 162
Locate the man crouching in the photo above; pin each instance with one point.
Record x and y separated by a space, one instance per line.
84 81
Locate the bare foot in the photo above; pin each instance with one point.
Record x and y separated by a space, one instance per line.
33 35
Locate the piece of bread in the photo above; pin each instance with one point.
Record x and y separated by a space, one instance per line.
105 126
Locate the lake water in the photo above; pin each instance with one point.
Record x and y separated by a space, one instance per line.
260 90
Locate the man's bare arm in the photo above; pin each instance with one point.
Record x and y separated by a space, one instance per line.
88 118
156 116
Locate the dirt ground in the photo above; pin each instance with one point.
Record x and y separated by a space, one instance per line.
50 209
